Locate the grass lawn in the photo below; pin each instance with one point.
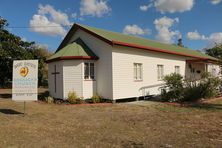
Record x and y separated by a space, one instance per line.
143 124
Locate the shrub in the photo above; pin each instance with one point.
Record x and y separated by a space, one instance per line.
49 99
43 96
96 99
173 88
73 98
206 88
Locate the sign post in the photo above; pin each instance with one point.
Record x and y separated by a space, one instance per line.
25 81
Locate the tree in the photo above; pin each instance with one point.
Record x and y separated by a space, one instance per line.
215 51
12 47
180 43
42 54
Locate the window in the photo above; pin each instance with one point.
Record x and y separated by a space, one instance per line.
160 72
138 71
177 69
89 71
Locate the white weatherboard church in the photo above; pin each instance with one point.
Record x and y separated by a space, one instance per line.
115 66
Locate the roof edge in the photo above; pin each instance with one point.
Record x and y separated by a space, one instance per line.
157 50
72 58
73 30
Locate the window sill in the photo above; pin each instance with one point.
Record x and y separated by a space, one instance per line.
89 80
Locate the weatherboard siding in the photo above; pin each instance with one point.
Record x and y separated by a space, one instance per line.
72 77
103 81
59 79
124 85
89 88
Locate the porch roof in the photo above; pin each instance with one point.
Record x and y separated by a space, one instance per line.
75 50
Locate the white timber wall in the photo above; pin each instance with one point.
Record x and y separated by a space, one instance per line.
89 88
214 69
103 80
72 77
124 85
59 79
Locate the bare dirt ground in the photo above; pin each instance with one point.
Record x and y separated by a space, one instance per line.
143 124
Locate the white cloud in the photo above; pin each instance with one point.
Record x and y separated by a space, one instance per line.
41 24
172 6
145 7
24 39
214 38
215 2
195 36
43 46
49 21
135 30
74 15
56 15
165 34
96 8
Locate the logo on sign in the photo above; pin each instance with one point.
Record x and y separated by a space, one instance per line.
24 71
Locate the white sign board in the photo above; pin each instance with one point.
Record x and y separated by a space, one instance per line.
25 80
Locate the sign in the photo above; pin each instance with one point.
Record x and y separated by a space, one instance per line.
25 80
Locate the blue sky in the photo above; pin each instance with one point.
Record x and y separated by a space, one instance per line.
198 22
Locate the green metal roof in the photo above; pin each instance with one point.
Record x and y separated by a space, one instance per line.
113 36
75 49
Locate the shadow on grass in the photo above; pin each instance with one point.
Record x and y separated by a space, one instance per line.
207 106
196 105
6 96
10 112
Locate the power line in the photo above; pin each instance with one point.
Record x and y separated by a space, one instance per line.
24 27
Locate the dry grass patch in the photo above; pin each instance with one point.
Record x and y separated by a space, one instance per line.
119 125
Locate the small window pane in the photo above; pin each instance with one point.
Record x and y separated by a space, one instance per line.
86 70
89 71
137 71
160 72
177 69
92 70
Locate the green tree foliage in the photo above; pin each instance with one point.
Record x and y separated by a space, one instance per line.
173 88
180 43
12 48
215 51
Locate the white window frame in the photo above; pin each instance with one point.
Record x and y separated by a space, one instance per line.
138 71
90 75
160 72
177 69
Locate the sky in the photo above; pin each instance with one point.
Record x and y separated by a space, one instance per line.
197 22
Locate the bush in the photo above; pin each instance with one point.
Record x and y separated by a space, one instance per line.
46 97
173 88
73 98
206 88
96 99
49 99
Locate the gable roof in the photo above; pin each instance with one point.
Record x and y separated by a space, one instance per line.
75 50
114 38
